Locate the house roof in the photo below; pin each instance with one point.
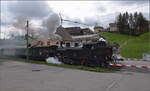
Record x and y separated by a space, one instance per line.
63 33
74 30
112 24
98 27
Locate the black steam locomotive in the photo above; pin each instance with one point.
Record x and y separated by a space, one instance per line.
97 54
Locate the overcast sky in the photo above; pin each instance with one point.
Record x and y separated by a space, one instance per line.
88 12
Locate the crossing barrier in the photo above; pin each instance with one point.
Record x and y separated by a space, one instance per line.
133 66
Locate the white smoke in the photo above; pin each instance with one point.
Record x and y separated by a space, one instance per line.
13 31
34 11
48 28
19 22
18 27
53 60
42 32
50 24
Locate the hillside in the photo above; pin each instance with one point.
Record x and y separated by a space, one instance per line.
113 37
134 48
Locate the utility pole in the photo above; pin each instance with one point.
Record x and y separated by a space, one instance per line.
0 34
61 20
26 36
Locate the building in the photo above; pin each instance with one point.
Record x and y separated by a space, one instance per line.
74 31
43 43
87 31
113 27
98 29
65 35
86 38
73 39
63 32
69 38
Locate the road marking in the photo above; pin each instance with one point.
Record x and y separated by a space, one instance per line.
110 86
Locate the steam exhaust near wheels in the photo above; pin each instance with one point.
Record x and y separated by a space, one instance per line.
53 60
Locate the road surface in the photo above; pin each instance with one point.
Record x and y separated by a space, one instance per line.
19 76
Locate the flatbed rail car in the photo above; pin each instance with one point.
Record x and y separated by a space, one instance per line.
94 54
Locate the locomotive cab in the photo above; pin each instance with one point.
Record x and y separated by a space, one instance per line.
95 45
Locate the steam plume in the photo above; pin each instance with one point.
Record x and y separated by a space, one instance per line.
45 31
48 28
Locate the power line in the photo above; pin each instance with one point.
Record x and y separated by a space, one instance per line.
72 21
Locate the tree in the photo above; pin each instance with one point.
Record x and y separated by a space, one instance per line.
133 24
126 23
119 23
142 24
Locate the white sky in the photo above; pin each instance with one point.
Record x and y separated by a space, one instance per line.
82 9
103 12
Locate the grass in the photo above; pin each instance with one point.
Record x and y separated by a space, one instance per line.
136 47
94 69
118 38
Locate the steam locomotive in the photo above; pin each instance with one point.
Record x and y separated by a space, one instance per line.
96 54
